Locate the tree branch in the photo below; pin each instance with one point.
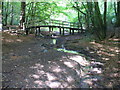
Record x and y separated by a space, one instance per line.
79 10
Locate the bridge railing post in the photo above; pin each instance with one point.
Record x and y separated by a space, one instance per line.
71 24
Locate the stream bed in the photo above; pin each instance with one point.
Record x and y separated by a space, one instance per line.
90 72
48 63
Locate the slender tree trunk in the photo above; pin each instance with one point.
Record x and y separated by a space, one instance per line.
22 17
6 13
115 9
28 11
2 13
80 23
90 13
87 16
104 20
32 10
118 14
105 14
11 22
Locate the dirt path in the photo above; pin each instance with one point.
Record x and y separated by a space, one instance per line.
33 65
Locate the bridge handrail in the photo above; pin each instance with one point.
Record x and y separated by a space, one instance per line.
51 22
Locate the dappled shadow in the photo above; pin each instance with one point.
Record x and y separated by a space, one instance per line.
106 52
53 75
34 65
48 73
64 73
35 68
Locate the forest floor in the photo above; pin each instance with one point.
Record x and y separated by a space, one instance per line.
29 62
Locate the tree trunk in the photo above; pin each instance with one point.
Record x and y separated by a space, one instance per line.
99 25
32 10
80 23
28 11
2 14
118 15
22 17
91 18
11 22
105 13
104 19
115 9
6 13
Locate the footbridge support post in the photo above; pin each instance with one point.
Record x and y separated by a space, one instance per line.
60 30
49 29
70 31
63 31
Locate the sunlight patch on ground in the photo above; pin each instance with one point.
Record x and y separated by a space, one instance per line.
56 69
97 44
96 70
51 76
88 81
69 64
116 69
39 82
92 52
105 53
54 84
29 51
81 60
37 66
70 79
9 40
40 72
114 49
35 76
106 59
19 40
117 75
107 50
117 51
114 39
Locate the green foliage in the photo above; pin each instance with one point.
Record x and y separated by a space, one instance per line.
90 14
40 10
7 12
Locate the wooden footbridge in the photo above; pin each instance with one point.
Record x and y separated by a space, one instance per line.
62 25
